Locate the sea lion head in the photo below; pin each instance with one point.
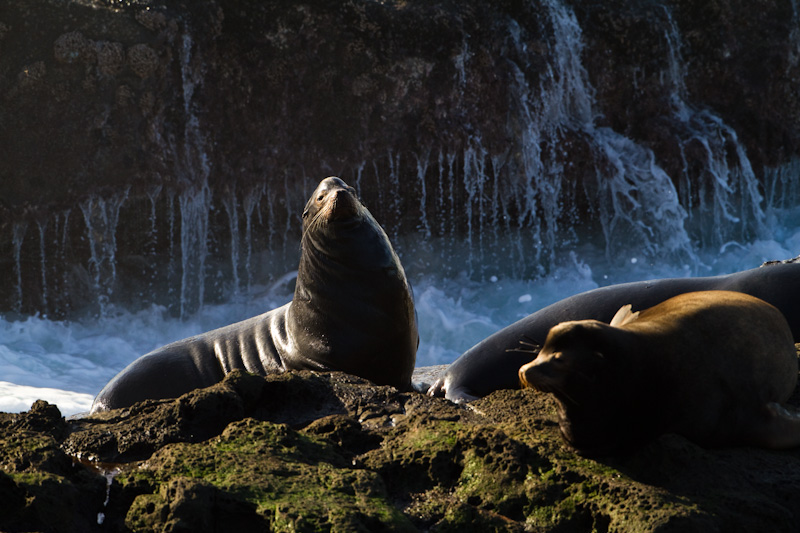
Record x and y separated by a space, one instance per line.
332 201
584 365
338 226
570 363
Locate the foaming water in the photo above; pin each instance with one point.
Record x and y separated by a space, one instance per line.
67 363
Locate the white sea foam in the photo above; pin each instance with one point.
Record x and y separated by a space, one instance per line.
18 398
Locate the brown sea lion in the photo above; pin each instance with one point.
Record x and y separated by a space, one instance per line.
352 311
712 366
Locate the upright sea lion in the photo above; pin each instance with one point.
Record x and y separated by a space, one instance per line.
713 366
352 311
493 363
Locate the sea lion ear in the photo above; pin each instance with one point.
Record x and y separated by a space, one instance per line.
624 316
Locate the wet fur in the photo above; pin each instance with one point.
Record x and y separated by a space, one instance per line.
713 366
352 311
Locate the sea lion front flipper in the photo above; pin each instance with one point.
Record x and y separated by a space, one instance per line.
624 316
779 428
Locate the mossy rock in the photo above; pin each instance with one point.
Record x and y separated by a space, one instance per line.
261 474
347 455
40 485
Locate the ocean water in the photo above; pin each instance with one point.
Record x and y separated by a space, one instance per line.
68 362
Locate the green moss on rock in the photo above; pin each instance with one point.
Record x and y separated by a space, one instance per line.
355 456
271 476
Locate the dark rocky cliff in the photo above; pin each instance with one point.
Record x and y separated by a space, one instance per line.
148 146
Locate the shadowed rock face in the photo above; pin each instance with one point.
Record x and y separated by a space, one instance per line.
147 143
310 452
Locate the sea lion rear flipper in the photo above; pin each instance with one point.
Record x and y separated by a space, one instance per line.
454 394
779 428
624 316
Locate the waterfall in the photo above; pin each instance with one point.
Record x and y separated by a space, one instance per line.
64 285
540 181
194 208
636 200
422 171
195 201
42 224
101 216
251 201
152 244
732 205
232 210
18 235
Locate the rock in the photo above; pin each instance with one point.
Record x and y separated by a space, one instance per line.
43 488
331 452
143 60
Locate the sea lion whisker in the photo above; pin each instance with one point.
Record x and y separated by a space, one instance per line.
531 347
315 221
531 344
520 350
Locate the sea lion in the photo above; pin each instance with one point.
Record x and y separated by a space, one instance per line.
712 366
352 311
493 363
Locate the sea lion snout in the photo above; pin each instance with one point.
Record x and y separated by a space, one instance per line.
557 371
333 199
542 372
343 204
526 375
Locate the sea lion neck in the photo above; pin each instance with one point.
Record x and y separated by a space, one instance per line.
359 243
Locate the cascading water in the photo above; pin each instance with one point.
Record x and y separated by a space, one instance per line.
251 201
728 200
230 204
18 235
42 252
101 218
510 208
195 201
637 200
510 211
194 209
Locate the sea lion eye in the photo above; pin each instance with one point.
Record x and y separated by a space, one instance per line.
320 197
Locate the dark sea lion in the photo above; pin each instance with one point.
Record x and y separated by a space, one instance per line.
493 363
712 366
352 311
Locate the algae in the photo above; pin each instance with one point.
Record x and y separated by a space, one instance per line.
348 456
293 482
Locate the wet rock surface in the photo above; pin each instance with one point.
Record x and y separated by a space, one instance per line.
332 452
